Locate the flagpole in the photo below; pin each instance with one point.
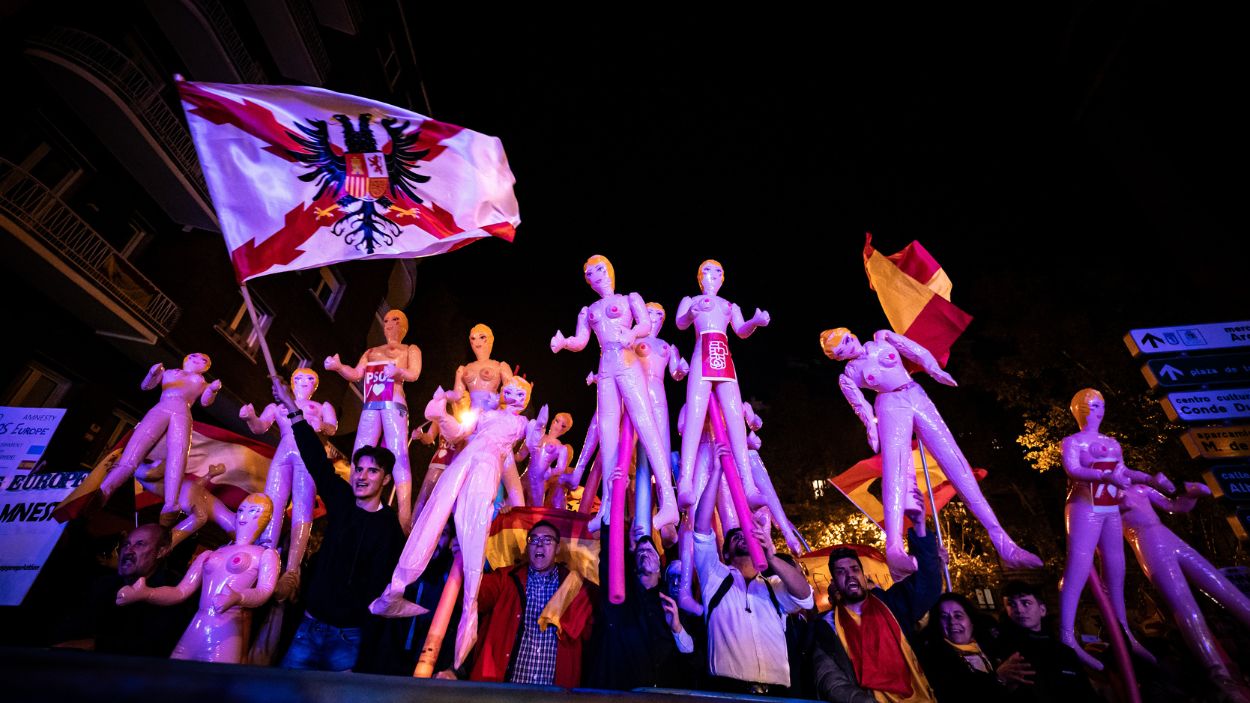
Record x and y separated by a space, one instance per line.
260 330
937 525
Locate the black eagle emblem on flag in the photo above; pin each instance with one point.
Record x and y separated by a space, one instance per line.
368 181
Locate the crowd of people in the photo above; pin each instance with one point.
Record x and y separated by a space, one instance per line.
759 632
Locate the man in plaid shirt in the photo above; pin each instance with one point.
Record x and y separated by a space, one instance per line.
511 646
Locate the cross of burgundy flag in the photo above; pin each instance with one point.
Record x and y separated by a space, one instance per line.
915 294
303 177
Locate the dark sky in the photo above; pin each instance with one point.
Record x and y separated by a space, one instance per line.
1089 154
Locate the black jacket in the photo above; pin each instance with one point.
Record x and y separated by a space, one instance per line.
359 550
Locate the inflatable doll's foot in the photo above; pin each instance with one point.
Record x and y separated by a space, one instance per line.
392 604
1015 557
901 564
1139 649
666 516
170 517
1086 658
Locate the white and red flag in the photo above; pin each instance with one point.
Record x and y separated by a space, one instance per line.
915 294
303 177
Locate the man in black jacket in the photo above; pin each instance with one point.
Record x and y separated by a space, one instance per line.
361 545
863 645
1057 674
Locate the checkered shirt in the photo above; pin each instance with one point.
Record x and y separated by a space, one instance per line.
535 660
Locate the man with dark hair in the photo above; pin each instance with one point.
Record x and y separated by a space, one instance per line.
359 550
1057 673
745 611
863 651
512 646
145 629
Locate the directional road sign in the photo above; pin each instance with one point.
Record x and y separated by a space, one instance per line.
1232 442
1216 335
1230 481
1205 406
1199 370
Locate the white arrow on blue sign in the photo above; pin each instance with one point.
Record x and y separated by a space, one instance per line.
1197 370
1216 335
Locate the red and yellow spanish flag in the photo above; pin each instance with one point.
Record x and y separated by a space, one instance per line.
915 294
579 551
856 484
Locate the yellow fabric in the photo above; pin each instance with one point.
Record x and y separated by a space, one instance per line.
973 654
940 284
902 297
920 690
568 590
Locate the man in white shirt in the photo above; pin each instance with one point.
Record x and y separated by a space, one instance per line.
745 611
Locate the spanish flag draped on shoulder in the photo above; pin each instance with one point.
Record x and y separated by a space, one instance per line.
303 177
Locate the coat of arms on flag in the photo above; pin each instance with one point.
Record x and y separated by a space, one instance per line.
303 177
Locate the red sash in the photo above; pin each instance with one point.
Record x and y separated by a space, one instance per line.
377 387
875 645
1105 496
718 365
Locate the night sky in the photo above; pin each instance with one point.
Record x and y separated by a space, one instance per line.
1087 157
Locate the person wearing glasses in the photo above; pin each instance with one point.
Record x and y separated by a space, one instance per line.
512 646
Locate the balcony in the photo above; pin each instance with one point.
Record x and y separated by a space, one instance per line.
127 112
206 38
290 30
103 288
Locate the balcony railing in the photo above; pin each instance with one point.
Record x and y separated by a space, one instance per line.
223 26
29 203
144 99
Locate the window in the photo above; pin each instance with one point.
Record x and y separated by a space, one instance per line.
37 387
294 358
391 68
242 332
818 487
329 289
102 437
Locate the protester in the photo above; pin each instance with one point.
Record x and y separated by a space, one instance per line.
145 629
958 666
512 645
359 549
863 650
1058 674
633 641
744 610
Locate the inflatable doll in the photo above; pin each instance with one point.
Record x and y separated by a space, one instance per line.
712 371
1097 475
1176 569
617 322
467 489
171 418
479 381
902 408
382 371
288 480
232 580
